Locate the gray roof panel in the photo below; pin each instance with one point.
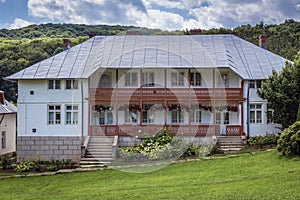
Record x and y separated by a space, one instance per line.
174 51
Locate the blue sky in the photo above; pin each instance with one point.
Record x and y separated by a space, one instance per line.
162 14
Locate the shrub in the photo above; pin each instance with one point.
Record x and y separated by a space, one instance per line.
6 162
42 166
262 140
289 141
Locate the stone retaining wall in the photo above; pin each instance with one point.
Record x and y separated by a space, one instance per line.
48 148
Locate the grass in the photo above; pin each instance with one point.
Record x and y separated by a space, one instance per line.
263 175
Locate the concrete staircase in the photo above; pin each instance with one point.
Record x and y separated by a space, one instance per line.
230 144
99 152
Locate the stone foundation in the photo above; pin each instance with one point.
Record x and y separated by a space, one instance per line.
48 148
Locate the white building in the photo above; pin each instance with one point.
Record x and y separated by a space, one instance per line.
199 85
8 125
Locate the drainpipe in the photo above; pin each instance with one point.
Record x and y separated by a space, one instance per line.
248 111
82 109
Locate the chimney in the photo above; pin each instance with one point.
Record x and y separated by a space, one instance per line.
196 31
263 41
2 100
132 32
67 43
92 35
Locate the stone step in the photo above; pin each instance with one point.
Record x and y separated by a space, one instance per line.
97 156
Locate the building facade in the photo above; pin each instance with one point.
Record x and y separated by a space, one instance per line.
8 125
200 85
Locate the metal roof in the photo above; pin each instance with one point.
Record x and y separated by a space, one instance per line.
7 108
167 51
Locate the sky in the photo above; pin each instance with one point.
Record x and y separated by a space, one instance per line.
161 14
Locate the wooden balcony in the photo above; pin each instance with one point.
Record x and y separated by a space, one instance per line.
99 94
175 130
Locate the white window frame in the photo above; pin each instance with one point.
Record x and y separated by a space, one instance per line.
255 113
129 79
54 84
71 84
129 117
196 116
103 84
223 80
177 117
150 115
3 139
72 114
107 116
193 79
148 79
269 119
255 84
56 111
177 79
222 117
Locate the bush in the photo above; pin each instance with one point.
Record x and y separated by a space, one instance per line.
289 141
42 166
163 146
262 140
6 162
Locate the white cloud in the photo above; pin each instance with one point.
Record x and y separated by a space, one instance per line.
2 1
19 23
167 14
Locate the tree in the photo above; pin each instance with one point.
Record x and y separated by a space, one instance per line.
282 91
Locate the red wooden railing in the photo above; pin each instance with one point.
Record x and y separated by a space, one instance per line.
165 93
178 130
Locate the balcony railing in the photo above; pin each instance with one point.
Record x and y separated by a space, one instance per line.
165 93
175 130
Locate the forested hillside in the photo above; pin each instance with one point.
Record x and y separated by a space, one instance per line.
23 47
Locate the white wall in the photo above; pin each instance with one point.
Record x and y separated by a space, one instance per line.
9 126
257 128
33 109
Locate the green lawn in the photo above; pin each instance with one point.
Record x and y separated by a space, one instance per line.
264 175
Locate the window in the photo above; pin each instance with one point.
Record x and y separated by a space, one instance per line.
71 114
196 116
71 84
54 84
177 116
177 79
105 81
255 113
195 79
223 80
3 139
54 114
148 79
131 79
270 115
255 84
106 117
131 116
222 117
148 116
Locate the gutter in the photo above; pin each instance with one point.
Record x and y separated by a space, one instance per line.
248 111
82 105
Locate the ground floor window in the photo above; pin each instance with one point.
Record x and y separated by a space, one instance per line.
131 116
270 115
196 116
54 114
148 116
222 117
255 113
3 140
71 114
106 117
177 116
